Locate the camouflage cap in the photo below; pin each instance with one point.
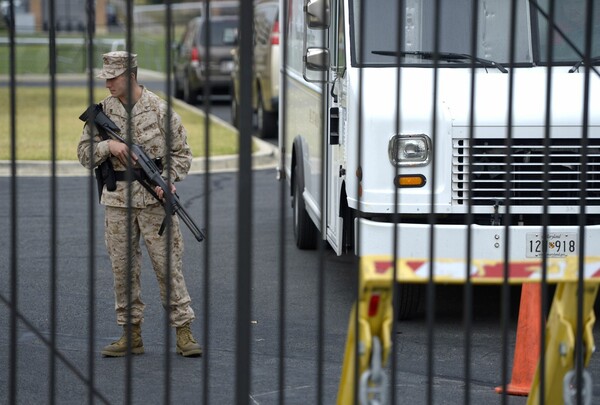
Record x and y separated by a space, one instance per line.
116 63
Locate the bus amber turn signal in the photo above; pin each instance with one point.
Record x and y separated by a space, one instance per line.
412 180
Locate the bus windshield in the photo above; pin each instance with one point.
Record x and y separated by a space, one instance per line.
568 38
413 42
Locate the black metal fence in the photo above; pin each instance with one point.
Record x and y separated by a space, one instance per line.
275 322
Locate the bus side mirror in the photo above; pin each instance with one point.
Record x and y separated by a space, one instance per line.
317 59
317 14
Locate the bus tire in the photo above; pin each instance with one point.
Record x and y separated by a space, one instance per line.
410 300
305 231
266 121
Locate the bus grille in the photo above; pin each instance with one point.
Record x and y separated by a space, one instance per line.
520 168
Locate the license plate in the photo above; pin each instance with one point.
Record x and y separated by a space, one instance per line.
558 244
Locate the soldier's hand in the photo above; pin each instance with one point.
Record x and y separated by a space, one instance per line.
160 192
120 151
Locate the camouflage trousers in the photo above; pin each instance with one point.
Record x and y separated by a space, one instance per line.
146 223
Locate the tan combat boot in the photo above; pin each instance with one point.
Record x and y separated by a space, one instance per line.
186 344
119 348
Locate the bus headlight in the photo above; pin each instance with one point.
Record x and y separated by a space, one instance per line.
410 150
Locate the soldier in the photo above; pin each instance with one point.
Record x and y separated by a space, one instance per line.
149 129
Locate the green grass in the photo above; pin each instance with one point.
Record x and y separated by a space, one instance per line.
33 122
35 59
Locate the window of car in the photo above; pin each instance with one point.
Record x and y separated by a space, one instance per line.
221 33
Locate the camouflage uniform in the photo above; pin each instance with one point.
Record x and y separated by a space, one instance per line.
149 130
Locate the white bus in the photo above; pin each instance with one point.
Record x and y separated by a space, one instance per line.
378 130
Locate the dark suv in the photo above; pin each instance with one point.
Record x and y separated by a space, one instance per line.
265 72
189 67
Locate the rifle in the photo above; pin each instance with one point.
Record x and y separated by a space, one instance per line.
152 173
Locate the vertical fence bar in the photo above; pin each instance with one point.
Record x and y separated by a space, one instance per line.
359 149
431 287
545 194
207 273
505 288
323 183
91 210
468 287
129 177
396 215
13 356
168 209
579 343
53 203
244 212
283 199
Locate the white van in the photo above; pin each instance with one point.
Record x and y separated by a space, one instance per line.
396 137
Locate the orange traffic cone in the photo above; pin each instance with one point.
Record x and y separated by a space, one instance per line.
527 348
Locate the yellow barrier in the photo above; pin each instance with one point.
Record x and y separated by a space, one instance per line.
375 317
560 342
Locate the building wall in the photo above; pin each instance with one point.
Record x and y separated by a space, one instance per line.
70 15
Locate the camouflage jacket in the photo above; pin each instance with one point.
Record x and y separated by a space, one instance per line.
149 130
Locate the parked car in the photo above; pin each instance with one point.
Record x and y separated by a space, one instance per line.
189 68
265 74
